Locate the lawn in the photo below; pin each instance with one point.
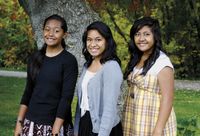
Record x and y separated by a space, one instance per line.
186 104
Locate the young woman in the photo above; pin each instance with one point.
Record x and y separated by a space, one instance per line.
99 85
51 78
148 106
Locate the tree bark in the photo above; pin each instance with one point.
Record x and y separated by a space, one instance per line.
77 13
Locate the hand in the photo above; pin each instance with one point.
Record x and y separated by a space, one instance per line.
55 131
18 129
57 126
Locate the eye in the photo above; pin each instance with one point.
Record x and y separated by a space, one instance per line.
46 29
137 34
98 39
89 40
147 34
57 31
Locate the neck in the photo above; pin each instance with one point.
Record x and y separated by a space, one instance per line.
145 57
53 51
95 66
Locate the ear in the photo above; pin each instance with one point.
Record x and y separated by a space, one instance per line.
65 35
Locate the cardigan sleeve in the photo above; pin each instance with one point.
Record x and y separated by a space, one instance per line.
70 74
112 80
77 119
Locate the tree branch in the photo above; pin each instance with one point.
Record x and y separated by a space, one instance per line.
25 6
116 26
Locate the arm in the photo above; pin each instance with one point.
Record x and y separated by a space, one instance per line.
166 83
24 102
57 126
112 80
20 119
70 73
77 119
78 110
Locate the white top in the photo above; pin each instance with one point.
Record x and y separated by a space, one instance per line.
161 62
137 70
84 101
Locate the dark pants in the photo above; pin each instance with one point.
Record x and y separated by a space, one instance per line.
85 127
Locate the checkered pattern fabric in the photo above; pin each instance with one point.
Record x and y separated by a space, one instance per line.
142 108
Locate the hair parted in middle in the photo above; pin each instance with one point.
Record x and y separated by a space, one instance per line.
110 49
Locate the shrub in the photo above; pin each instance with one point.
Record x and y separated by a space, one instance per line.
16 40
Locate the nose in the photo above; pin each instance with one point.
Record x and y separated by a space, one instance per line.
51 32
141 37
93 43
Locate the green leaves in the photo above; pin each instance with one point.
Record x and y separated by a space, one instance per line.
16 40
189 127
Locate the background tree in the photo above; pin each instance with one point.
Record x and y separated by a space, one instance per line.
180 24
76 12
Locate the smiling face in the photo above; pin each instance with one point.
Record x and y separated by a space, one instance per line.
96 44
144 40
53 33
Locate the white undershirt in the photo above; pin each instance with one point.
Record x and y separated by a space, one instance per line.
84 101
137 70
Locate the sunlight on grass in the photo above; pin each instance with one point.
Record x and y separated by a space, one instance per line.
186 104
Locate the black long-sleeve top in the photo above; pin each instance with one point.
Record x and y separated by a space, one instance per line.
51 94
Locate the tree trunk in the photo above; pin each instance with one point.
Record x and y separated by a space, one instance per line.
77 13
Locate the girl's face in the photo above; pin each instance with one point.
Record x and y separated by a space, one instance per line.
144 40
96 43
53 33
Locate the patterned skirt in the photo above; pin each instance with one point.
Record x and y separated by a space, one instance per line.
32 129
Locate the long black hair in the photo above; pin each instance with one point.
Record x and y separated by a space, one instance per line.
37 58
135 53
110 49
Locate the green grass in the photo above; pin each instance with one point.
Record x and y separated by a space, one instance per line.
23 69
187 109
186 105
10 94
11 90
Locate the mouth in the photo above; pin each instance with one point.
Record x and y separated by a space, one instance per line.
50 39
93 49
142 44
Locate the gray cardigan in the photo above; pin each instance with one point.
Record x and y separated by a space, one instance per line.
103 92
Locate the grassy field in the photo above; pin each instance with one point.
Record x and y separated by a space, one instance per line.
186 104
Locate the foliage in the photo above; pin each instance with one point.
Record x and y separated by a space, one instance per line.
179 25
117 21
189 127
16 40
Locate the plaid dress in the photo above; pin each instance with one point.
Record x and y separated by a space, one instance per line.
142 105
